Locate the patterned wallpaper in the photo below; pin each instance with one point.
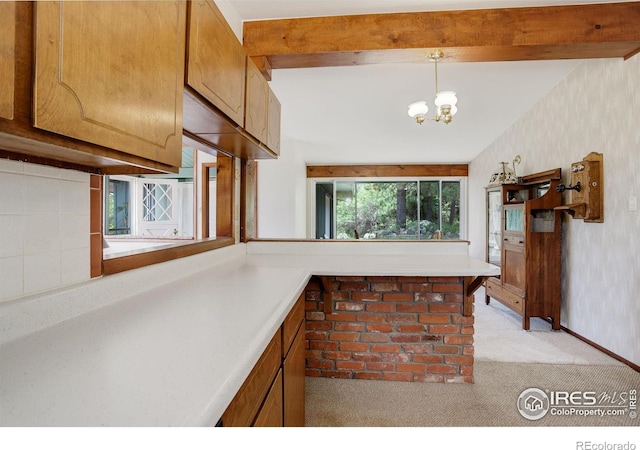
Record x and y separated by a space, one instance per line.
596 108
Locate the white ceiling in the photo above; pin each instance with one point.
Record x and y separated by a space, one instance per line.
358 114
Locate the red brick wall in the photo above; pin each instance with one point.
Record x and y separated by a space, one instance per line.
389 328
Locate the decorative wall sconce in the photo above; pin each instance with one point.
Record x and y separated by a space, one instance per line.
586 189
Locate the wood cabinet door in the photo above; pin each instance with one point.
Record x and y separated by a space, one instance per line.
514 272
294 373
112 73
257 102
270 415
7 58
216 63
273 138
244 407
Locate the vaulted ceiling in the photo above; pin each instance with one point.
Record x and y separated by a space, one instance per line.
345 71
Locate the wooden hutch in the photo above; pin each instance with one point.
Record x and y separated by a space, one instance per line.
524 234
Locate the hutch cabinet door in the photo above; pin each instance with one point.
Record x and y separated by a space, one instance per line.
216 67
7 58
494 226
514 272
112 73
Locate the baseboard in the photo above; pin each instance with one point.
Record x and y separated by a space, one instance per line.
601 348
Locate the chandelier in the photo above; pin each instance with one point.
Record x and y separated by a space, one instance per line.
445 100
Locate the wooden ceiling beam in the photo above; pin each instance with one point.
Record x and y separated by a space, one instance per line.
606 30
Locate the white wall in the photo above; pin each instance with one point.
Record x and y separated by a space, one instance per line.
44 228
282 190
595 109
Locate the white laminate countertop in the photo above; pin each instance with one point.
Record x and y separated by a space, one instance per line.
169 345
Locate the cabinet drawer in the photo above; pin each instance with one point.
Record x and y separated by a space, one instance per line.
506 297
245 405
291 324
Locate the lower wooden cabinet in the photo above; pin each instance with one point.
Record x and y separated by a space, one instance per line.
294 372
246 405
271 413
273 394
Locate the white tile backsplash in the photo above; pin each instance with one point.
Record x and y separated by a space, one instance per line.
74 266
12 235
44 228
74 199
41 272
12 193
73 231
42 233
10 166
11 277
42 195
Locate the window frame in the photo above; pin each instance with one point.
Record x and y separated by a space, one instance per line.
226 187
311 197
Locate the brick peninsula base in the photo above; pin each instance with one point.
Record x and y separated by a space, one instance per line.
388 328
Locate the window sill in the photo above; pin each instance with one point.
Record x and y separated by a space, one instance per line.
151 256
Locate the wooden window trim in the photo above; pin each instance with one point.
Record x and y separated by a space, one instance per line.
378 171
206 214
123 263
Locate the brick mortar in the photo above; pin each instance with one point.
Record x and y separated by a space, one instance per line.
390 328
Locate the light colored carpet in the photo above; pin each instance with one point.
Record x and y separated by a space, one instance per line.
499 337
490 402
508 361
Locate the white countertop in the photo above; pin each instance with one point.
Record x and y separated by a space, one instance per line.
173 353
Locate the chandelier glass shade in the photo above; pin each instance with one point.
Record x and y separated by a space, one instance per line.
445 100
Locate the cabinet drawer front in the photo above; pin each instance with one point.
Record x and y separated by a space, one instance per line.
245 405
506 297
291 324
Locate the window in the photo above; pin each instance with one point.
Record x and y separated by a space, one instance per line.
145 214
388 209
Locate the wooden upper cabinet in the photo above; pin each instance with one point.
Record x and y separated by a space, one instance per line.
112 74
262 118
7 58
216 64
273 138
257 103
